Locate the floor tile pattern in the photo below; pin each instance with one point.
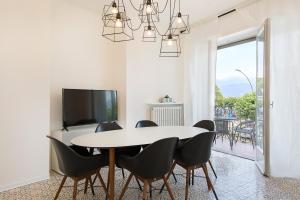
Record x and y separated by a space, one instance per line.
237 179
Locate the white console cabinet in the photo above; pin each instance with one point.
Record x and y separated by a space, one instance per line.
66 137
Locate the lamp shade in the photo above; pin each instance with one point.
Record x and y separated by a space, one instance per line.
170 46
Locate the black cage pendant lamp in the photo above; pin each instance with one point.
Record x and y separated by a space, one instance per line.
149 33
180 23
116 23
149 8
118 27
170 43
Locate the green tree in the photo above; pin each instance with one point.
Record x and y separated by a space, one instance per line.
229 102
245 106
219 97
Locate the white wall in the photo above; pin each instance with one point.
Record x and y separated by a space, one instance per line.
150 77
24 96
47 46
81 57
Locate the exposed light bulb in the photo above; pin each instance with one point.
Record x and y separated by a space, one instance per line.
170 42
179 20
114 10
148 9
149 32
118 23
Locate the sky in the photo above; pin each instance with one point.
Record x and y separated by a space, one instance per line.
242 57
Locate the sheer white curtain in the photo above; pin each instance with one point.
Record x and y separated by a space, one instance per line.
200 49
200 54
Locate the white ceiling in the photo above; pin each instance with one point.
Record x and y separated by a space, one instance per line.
203 9
197 9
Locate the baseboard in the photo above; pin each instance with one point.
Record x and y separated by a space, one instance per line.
22 183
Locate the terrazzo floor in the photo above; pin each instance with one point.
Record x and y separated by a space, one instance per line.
237 179
242 149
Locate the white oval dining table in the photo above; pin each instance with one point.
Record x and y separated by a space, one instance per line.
131 137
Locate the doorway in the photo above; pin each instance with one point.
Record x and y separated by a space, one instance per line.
235 102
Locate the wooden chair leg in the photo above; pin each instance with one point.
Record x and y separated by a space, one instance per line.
94 180
92 187
145 190
123 173
138 182
208 181
107 186
168 188
102 182
173 174
75 188
86 185
212 168
126 186
60 187
171 171
193 175
187 184
206 177
150 190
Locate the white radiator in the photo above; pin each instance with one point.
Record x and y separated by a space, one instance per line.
167 114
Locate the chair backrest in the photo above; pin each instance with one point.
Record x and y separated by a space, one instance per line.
222 126
67 158
207 124
156 159
197 150
145 123
107 126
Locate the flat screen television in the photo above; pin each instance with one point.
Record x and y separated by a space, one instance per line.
81 107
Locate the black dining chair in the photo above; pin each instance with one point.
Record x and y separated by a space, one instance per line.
110 126
145 123
80 150
78 167
210 126
149 123
151 164
131 151
194 154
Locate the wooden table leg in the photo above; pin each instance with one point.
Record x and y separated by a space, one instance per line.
111 175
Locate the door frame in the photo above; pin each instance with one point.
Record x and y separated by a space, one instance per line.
266 99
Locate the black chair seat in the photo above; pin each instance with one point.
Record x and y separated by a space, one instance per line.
194 154
126 151
80 150
74 164
145 164
151 164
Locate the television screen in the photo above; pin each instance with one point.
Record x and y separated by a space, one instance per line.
89 106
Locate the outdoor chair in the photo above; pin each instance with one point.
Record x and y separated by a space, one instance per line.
245 130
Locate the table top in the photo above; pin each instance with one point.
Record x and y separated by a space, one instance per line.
135 136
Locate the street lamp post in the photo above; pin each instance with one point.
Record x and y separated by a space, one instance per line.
238 70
